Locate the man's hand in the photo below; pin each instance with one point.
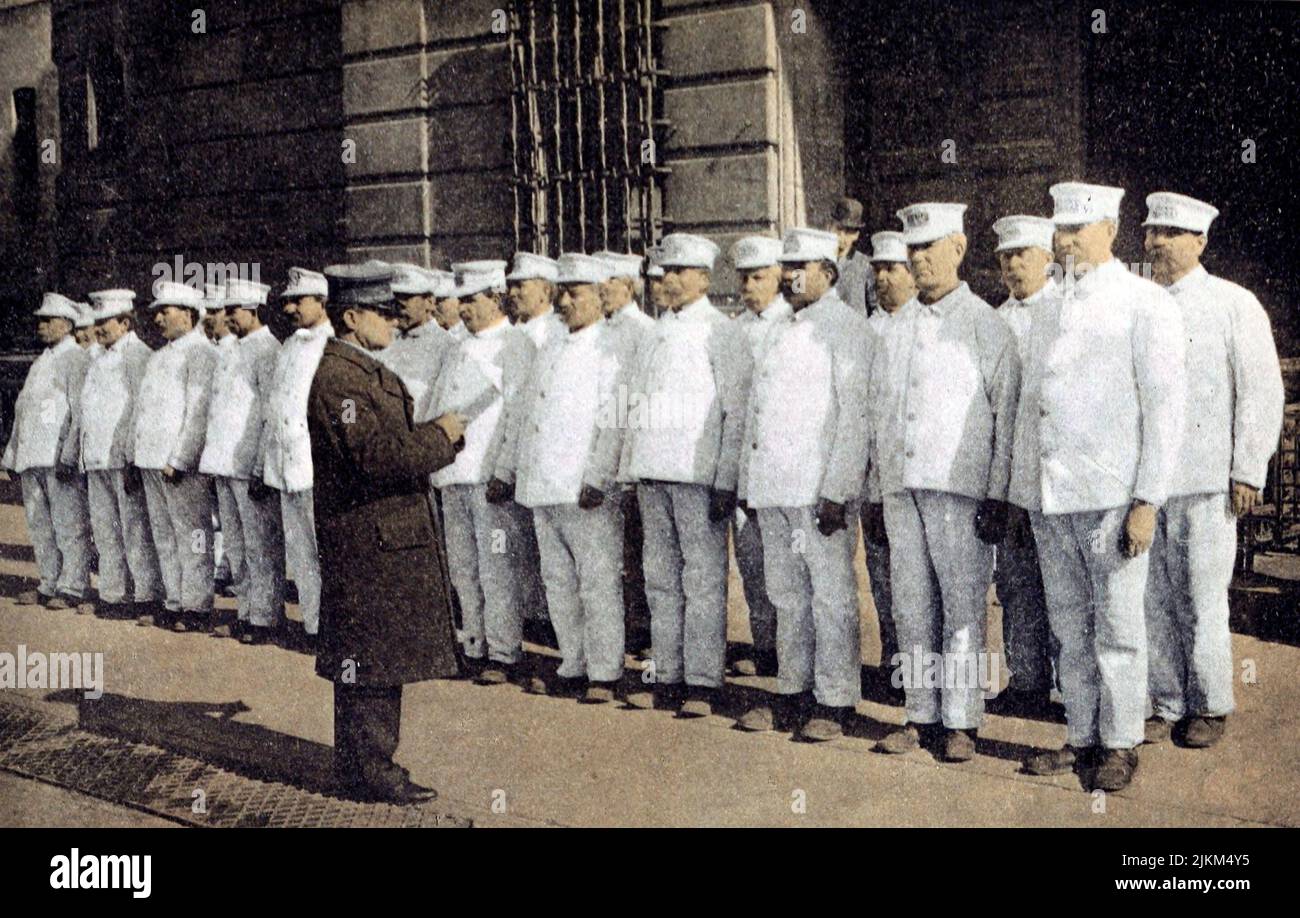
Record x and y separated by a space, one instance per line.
1244 498
65 472
5 476
132 480
991 521
830 517
498 491
1139 528
172 476
722 505
873 525
258 489
590 498
452 425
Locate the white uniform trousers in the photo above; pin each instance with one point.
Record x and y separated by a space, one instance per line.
1189 646
1094 603
1026 636
231 539
810 581
882 595
940 573
582 565
747 543
525 559
180 517
685 561
57 520
120 523
262 601
482 550
298 519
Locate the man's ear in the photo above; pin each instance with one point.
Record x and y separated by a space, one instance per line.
1201 242
350 319
1112 228
959 246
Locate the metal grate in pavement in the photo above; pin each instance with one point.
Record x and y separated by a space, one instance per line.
152 779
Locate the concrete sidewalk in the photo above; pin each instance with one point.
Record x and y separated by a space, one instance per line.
507 758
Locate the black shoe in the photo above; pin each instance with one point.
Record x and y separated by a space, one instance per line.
255 634
699 702
1203 732
196 622
1115 769
1156 730
826 723
1059 761
669 697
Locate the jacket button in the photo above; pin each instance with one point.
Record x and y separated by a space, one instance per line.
754 445
1042 412
911 415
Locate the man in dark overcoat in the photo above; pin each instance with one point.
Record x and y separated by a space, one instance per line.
386 598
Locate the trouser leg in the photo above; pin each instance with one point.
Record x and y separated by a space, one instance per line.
882 595
1166 579
137 537
233 540
595 537
837 652
189 503
501 552
635 603
462 563
164 536
298 512
560 574
747 542
367 730
703 546
106 525
918 609
264 562
789 586
71 520
1212 549
663 565
1119 585
1025 632
525 560
40 527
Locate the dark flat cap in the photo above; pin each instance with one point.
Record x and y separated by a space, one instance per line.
848 213
368 284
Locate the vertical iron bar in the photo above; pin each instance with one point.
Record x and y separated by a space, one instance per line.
624 127
516 87
600 73
558 117
580 159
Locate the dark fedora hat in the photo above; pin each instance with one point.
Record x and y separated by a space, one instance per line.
847 213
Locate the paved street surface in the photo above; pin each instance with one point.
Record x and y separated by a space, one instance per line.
506 758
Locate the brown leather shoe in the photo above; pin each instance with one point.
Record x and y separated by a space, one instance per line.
30 598
1203 732
958 746
58 602
492 675
905 739
1056 761
1156 730
1115 769
759 719
826 724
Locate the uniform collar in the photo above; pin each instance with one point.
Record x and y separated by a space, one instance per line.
427 329
230 340
1042 293
776 310
1104 273
123 342
264 331
822 303
496 331
692 311
352 353
585 335
627 311
191 339
945 302
63 344
325 329
1189 280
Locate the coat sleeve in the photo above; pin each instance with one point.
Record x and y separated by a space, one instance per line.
1162 394
1000 366
518 385
135 363
846 463
1257 380
634 360
264 380
197 384
366 428
70 449
607 438
733 366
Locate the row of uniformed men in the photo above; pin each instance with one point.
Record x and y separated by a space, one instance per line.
781 411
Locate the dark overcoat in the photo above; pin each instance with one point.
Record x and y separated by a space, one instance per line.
386 597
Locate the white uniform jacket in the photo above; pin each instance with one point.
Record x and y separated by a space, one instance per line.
568 436
46 406
1018 314
239 398
686 400
417 357
543 329
806 424
171 414
108 404
758 326
1103 396
1234 386
285 450
943 401
479 377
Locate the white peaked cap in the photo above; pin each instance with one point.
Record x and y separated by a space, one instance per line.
214 296
888 246
441 283
802 244
58 306
654 271
684 250
1164 208
752 252
1021 231
110 303
473 277
925 223
242 292
621 265
85 315
1077 203
305 283
170 293
530 266
577 268
410 280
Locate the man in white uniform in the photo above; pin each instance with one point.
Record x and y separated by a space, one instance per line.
130 580
755 259
1024 253
682 448
85 331
1234 416
1097 440
242 389
894 287
227 544
170 421
484 549
802 466
418 351
944 401
446 306
563 465
284 453
38 451
530 287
